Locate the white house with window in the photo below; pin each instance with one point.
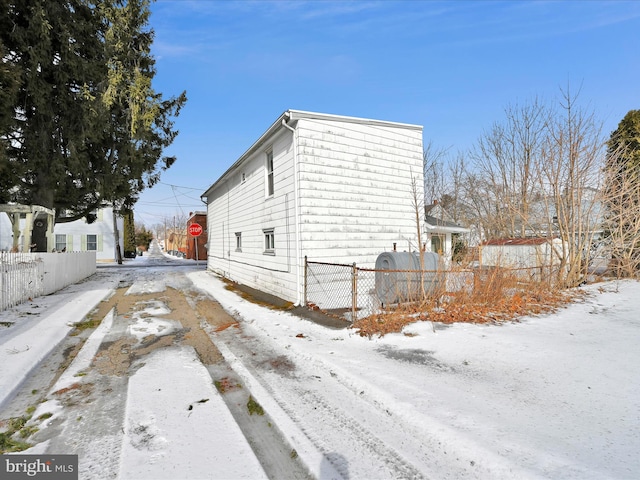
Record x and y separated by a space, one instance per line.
331 188
97 236
441 231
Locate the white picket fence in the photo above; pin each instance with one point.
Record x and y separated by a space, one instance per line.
29 275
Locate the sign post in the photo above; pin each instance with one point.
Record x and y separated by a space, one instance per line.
195 230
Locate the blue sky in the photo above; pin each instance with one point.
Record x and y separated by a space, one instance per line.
451 66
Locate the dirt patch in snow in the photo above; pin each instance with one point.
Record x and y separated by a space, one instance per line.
116 356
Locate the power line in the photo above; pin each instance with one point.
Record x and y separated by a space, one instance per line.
179 186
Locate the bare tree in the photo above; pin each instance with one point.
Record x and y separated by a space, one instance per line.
573 156
434 172
506 159
536 174
622 221
452 200
175 228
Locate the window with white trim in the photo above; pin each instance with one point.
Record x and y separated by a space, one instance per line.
92 242
269 241
270 188
238 241
437 243
61 243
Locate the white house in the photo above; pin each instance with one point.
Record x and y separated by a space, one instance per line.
6 233
73 236
97 236
330 188
440 228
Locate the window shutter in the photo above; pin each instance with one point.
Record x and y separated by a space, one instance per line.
83 243
99 242
69 243
100 215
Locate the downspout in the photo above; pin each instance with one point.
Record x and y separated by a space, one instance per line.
296 209
206 245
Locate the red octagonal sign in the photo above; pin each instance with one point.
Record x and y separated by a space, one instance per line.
195 229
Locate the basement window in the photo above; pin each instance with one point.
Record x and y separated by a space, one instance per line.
269 242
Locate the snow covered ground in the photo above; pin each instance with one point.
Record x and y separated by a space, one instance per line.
554 396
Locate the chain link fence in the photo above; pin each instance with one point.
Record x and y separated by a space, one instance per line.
351 293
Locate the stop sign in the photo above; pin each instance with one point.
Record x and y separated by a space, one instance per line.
195 229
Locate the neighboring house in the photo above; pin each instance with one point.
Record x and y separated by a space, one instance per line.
197 246
72 236
25 228
6 233
546 213
97 236
176 241
440 229
328 188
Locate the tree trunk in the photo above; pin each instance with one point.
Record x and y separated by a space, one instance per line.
116 236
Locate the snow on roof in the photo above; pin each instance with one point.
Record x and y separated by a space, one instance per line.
516 241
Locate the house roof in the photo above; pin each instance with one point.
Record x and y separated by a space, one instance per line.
434 223
440 220
197 214
290 117
516 241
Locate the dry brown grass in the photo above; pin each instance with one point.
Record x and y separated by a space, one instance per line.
493 296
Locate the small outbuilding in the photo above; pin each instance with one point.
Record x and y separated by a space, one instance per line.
521 252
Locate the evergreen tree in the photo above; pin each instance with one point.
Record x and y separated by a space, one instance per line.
129 235
57 49
81 126
624 144
139 122
622 194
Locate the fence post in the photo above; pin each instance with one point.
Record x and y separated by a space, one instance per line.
354 292
305 280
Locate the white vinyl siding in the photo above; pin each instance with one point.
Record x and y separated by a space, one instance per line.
355 201
102 228
356 189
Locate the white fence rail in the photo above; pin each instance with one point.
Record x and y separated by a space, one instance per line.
29 275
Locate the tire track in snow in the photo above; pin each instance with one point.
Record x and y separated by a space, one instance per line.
427 446
322 418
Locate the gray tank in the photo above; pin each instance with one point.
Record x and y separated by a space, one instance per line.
398 276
